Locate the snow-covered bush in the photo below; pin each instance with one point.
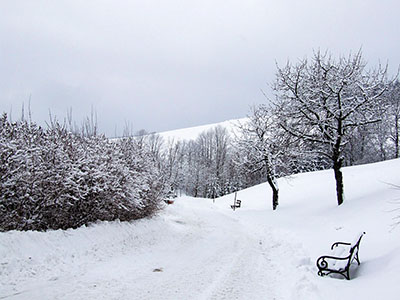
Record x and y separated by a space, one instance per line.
52 178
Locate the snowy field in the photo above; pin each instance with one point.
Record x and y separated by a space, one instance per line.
197 249
192 133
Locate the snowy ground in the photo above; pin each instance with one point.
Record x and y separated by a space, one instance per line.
197 249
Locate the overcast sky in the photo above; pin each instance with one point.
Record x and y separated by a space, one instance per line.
163 65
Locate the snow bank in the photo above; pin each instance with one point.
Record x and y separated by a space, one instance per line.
309 216
30 258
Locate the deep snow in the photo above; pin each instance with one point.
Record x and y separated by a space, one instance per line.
197 249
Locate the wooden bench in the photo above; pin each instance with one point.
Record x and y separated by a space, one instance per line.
342 257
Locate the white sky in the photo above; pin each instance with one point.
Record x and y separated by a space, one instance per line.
162 65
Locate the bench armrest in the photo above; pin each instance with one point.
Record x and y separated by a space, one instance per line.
327 262
339 243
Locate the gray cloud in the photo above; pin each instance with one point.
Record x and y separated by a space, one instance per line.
161 65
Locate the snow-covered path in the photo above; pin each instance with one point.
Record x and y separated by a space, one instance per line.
191 251
197 249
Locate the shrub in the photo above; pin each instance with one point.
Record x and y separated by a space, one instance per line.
52 179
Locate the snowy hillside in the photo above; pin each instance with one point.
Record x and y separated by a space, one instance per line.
192 133
197 249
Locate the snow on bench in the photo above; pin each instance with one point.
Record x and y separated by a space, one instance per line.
341 259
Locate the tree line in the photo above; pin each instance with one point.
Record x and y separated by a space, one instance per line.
325 113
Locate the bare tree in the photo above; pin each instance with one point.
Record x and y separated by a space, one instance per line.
206 164
213 149
264 148
322 101
394 116
174 153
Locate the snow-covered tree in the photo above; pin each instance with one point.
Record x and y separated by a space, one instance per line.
52 178
174 158
206 169
393 115
213 150
323 101
193 170
264 148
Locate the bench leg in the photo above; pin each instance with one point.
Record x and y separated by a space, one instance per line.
357 259
348 273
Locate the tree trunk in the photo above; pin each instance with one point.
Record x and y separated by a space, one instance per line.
337 159
337 165
275 190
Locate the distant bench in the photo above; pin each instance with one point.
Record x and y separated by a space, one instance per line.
340 261
236 204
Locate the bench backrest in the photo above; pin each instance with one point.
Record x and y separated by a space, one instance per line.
355 246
